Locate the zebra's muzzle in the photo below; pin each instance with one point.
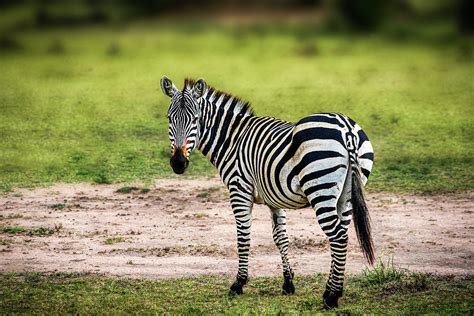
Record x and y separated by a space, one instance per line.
179 162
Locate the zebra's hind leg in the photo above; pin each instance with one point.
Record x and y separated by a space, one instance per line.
334 225
334 286
281 241
338 240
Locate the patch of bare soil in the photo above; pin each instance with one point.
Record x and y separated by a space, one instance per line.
186 227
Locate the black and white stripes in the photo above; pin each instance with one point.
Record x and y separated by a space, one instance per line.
322 161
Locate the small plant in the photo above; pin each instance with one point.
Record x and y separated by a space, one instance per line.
203 195
41 231
58 227
382 273
416 282
58 206
102 178
5 241
214 188
10 216
35 231
130 262
114 240
200 215
128 189
13 230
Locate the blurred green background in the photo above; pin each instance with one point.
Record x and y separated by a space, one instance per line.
80 97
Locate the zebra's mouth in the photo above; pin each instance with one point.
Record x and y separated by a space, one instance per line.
180 168
179 162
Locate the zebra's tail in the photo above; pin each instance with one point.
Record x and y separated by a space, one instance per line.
360 214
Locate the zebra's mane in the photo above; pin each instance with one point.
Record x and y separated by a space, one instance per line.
241 105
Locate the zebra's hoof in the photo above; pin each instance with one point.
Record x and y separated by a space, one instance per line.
288 287
236 289
326 293
330 300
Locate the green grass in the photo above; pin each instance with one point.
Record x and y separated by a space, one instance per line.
10 216
128 189
84 104
58 206
94 294
383 272
37 231
114 240
12 230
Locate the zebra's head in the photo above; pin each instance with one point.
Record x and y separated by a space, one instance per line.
183 116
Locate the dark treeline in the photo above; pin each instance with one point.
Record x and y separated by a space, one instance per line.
360 15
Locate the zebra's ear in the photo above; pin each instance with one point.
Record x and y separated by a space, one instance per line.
199 88
168 87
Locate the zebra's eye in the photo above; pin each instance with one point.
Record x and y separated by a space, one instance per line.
195 119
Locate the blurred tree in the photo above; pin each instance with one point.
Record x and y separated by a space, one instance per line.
361 15
146 7
466 17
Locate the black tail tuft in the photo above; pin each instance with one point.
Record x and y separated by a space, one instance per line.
362 218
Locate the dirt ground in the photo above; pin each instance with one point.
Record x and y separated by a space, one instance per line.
186 227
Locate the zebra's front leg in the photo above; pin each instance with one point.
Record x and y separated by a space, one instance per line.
242 207
281 241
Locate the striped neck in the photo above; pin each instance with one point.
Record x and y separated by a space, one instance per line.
222 115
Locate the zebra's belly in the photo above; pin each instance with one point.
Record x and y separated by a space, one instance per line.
276 201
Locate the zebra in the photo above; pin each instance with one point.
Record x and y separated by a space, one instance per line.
322 161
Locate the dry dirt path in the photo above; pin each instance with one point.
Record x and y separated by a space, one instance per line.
186 227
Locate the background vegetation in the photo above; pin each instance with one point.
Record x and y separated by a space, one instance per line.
80 99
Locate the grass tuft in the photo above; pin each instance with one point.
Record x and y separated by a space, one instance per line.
203 195
13 230
382 273
5 241
37 231
114 240
200 215
11 216
128 189
58 206
42 231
